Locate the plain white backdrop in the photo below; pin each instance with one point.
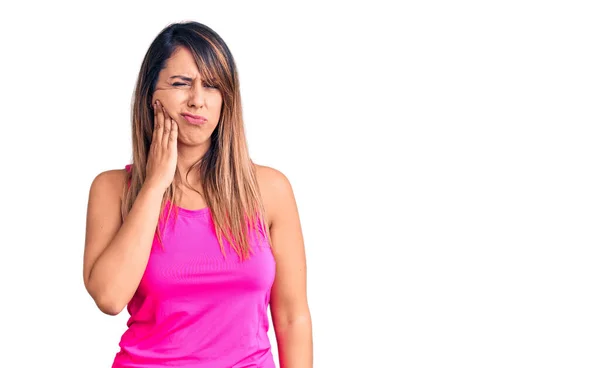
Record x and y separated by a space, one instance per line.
444 156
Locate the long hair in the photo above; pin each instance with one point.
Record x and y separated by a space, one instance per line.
229 182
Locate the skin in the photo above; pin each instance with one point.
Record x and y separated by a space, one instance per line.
125 246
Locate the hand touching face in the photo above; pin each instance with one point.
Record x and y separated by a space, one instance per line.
193 103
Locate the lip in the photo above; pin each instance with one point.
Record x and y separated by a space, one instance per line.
194 119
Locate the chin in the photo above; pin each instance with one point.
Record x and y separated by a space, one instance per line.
195 141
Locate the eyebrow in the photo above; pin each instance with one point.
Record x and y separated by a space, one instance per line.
187 79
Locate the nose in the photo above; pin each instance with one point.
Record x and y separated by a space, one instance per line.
196 97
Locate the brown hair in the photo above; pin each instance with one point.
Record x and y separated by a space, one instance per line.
229 182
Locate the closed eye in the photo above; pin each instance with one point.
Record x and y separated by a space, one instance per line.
185 84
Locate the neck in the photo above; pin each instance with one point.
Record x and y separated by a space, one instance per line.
188 156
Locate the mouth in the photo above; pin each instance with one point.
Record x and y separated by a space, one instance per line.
194 119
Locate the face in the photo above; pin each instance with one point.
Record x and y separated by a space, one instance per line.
182 92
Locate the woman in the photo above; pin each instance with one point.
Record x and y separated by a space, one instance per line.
193 237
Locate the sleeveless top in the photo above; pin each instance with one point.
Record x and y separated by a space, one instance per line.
196 308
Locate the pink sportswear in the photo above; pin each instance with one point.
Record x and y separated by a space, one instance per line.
196 308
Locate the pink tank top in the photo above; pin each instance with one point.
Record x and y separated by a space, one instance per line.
196 308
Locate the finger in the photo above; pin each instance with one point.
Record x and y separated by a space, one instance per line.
154 128
159 122
174 133
167 128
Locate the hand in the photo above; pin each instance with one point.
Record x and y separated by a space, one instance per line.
162 157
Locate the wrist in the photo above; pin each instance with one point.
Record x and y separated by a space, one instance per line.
153 190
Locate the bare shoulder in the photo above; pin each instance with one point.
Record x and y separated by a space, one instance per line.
276 190
272 179
109 183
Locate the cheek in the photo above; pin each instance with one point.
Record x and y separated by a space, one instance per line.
168 98
217 103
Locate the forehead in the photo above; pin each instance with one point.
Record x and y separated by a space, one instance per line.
181 62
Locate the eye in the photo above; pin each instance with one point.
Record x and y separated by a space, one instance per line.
179 84
210 85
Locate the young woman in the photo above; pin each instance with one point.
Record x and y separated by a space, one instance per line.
193 237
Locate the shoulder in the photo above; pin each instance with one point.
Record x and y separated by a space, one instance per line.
272 182
276 191
110 182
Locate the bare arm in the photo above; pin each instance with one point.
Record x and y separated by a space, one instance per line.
289 305
116 254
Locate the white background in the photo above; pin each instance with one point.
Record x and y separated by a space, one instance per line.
444 157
